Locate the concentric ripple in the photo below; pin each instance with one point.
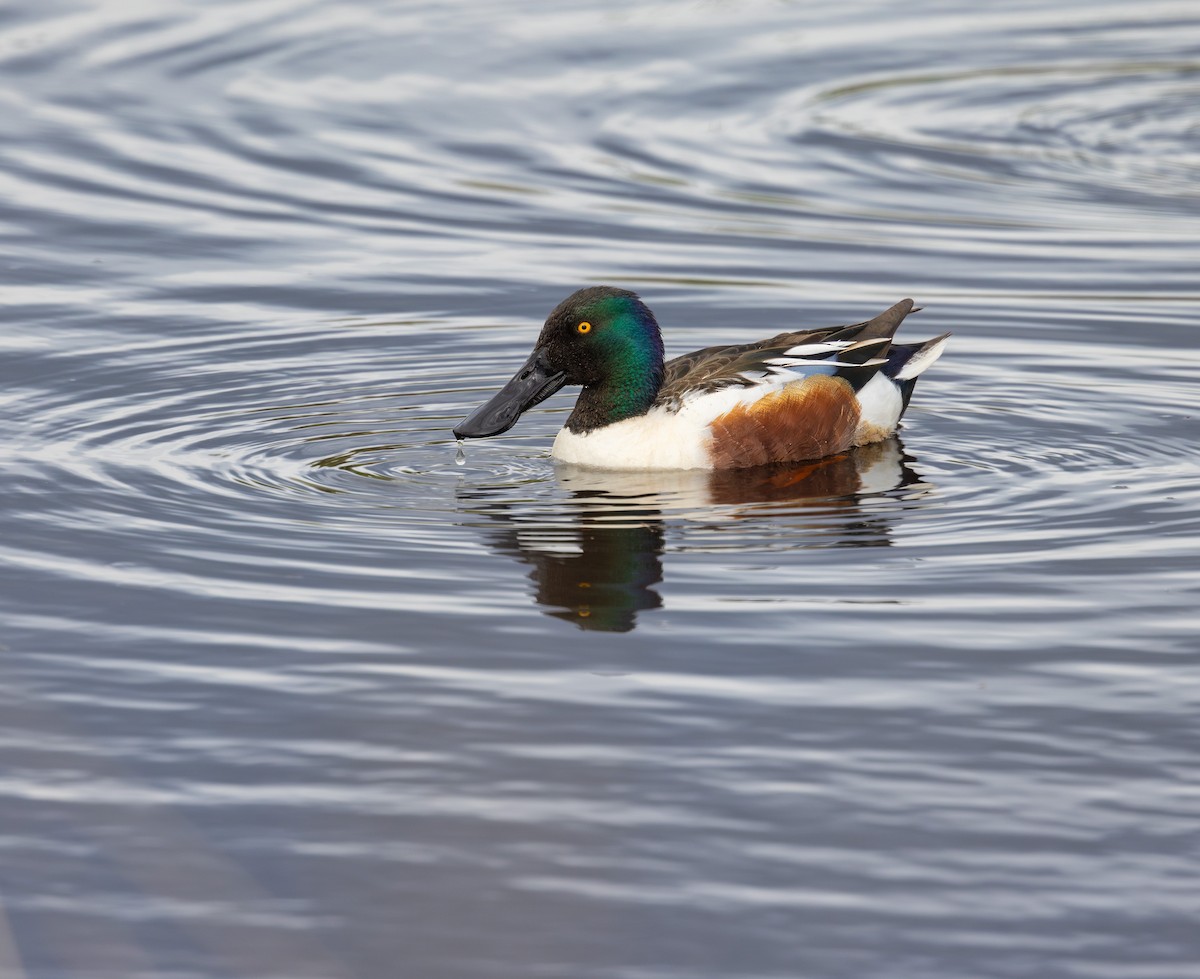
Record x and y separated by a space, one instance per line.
1103 128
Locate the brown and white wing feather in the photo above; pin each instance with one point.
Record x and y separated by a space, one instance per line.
855 351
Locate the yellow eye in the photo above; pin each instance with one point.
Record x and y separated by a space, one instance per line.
584 327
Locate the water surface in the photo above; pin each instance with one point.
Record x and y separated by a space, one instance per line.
287 692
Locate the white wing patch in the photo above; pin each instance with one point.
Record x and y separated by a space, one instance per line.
812 349
817 356
807 355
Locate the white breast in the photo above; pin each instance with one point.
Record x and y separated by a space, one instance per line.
659 439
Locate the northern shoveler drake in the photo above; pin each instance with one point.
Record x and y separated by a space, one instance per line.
794 397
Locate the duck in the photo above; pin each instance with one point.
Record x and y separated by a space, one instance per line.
797 396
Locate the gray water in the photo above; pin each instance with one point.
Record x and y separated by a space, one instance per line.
286 692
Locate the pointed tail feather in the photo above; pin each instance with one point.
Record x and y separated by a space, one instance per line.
883 325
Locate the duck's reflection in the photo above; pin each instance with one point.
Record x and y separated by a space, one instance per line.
598 576
597 559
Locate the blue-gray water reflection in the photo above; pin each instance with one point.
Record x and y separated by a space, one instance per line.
286 692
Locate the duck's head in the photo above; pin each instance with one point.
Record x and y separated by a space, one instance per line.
603 338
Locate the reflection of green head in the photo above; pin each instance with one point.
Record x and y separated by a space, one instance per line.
603 587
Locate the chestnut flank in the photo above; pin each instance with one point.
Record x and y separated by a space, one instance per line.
808 419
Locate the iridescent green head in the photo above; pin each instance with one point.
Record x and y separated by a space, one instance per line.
603 338
607 340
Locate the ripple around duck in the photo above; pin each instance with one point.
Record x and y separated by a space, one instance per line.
229 430
283 412
322 417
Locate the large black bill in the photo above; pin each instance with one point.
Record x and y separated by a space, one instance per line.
533 383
